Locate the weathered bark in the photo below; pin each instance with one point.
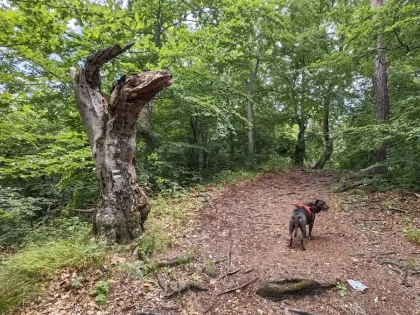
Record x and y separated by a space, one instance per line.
328 141
111 129
380 87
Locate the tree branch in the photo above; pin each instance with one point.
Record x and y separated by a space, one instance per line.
96 61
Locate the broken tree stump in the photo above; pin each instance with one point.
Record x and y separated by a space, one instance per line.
278 289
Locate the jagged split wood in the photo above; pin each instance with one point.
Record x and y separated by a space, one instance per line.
111 129
284 288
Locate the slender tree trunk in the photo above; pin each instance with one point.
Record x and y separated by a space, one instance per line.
328 141
146 128
380 86
250 112
111 129
249 107
301 144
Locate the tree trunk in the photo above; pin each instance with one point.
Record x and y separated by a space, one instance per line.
328 141
300 145
146 130
249 108
250 113
380 86
111 129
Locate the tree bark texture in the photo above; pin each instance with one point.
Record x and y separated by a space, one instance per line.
328 141
380 86
111 128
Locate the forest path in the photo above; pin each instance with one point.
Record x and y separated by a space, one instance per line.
250 221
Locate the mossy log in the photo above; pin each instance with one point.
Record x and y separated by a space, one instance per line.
285 288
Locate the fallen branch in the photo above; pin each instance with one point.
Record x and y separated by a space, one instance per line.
300 312
417 195
170 291
162 283
284 288
230 272
248 270
394 264
181 260
185 287
348 187
397 209
239 287
405 279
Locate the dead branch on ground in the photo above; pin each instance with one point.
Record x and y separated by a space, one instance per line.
230 272
396 209
239 287
180 260
170 290
283 288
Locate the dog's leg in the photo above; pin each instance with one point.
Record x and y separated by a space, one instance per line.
303 230
291 230
311 225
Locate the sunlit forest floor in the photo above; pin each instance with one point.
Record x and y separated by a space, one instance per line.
244 228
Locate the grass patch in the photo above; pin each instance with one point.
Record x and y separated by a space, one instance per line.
166 223
230 177
21 275
412 235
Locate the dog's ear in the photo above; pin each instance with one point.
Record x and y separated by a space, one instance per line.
317 201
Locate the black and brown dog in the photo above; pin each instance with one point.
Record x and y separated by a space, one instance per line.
303 215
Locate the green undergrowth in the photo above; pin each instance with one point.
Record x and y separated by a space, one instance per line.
23 273
412 235
69 243
231 177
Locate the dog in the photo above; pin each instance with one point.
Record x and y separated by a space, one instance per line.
304 214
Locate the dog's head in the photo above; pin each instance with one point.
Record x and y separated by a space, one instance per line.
320 205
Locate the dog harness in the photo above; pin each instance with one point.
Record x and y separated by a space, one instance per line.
309 209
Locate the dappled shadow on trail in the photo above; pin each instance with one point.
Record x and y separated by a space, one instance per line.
243 229
249 224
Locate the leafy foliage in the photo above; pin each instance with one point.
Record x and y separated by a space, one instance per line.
312 55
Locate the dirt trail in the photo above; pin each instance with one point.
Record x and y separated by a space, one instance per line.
248 222
253 218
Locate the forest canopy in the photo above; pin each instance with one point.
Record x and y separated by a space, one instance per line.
257 84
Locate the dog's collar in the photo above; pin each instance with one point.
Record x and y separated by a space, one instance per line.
309 209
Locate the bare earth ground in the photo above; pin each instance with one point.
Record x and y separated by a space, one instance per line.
248 222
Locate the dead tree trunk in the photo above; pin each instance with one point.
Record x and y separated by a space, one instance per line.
111 129
328 141
380 86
